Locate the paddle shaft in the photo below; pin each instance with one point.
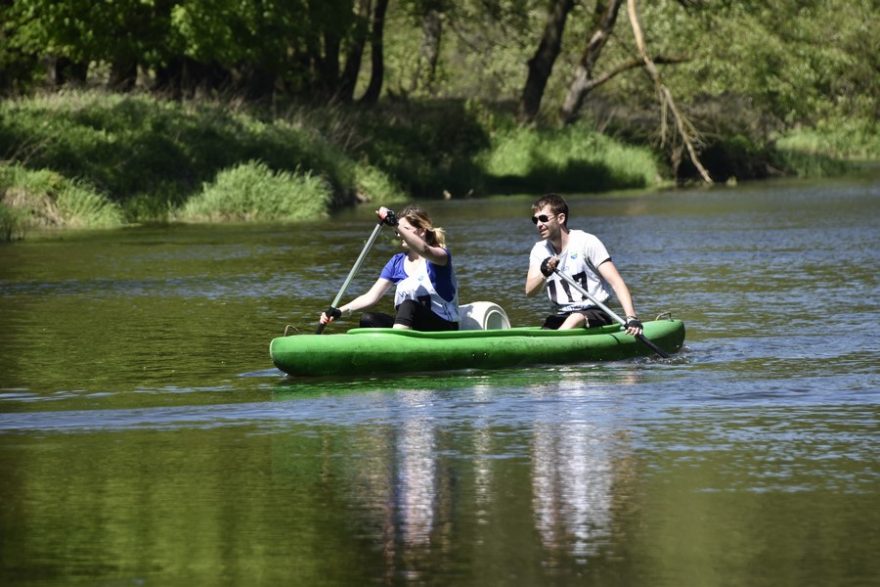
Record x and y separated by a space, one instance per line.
607 310
355 268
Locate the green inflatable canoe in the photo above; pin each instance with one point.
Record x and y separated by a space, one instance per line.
386 350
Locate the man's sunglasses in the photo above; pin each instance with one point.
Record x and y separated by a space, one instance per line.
542 217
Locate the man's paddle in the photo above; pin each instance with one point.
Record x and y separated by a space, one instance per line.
357 265
608 311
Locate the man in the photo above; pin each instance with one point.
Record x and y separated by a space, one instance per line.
584 258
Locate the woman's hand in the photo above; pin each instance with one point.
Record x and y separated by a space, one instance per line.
334 314
387 216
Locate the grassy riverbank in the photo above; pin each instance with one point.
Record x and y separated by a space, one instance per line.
88 159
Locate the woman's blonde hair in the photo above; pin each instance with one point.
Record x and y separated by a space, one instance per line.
434 236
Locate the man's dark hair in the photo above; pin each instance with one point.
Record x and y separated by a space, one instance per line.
556 202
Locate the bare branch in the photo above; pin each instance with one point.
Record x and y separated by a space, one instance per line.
626 66
685 129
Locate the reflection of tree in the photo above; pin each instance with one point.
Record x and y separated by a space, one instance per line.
398 481
576 463
416 482
572 481
482 448
419 486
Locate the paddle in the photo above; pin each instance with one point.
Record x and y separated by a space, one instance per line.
607 310
357 265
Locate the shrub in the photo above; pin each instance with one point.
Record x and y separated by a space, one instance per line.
252 192
46 199
375 186
11 225
573 159
838 139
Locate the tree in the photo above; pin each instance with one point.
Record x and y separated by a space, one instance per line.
354 55
377 60
541 64
604 19
686 132
428 14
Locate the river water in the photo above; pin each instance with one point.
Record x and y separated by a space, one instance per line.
146 439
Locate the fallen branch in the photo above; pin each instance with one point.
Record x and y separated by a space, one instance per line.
685 129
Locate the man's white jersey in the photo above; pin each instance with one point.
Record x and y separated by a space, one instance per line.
580 261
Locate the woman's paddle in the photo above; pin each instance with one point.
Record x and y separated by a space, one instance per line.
357 265
608 311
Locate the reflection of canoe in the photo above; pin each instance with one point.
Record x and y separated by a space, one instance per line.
385 350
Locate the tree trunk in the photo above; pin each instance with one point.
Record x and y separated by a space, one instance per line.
429 55
67 71
123 75
603 24
355 53
377 57
169 78
258 83
541 64
328 63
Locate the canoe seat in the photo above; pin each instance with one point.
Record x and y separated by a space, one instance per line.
482 316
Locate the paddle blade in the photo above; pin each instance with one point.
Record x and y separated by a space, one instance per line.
652 346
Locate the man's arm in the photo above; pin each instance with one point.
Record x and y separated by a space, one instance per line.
535 278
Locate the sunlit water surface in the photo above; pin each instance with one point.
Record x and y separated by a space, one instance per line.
146 439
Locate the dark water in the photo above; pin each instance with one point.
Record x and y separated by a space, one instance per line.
145 438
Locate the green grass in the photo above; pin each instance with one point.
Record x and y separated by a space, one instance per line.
573 159
11 223
89 158
852 140
45 199
427 148
832 147
251 192
151 155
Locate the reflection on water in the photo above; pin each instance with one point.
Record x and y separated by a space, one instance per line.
145 438
415 484
572 483
482 451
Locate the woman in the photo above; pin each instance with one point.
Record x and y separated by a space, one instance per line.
426 297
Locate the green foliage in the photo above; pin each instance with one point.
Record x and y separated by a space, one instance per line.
231 32
756 69
251 192
796 61
375 186
574 159
804 164
427 147
136 146
11 223
128 31
847 139
45 199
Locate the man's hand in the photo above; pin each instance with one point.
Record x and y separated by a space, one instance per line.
548 266
633 326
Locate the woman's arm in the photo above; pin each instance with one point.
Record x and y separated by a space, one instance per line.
365 300
415 242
